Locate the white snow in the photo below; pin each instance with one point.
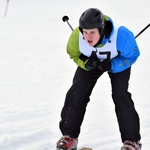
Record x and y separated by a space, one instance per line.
36 72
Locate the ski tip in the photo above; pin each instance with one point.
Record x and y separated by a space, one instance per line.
85 148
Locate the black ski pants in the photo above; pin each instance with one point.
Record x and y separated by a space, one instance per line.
78 97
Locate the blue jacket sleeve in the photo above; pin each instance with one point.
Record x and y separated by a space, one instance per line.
127 48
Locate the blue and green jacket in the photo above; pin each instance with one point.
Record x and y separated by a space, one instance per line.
120 43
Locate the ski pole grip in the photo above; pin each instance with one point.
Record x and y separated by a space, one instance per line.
65 18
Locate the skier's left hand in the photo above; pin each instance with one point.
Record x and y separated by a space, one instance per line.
105 65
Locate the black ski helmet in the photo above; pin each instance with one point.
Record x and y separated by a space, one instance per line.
92 18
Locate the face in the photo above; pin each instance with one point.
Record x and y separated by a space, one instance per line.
91 36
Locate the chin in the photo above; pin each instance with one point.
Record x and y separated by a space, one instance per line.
91 44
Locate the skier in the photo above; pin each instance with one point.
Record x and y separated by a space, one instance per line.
97 46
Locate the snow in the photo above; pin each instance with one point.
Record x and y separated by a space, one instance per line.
36 72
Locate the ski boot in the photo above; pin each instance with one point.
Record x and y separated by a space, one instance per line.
67 143
129 145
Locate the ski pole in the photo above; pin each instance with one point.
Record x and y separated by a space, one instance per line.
142 31
65 19
6 8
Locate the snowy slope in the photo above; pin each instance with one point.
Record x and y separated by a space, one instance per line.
36 72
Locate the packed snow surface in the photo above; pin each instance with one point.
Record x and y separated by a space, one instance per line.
36 72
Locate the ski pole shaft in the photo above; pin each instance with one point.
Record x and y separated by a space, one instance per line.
6 9
65 19
142 31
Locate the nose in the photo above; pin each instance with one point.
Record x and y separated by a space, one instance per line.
89 36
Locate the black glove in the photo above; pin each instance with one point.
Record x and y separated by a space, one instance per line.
93 63
105 65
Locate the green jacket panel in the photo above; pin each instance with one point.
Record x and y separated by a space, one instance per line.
73 49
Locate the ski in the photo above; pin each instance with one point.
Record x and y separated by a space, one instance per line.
85 148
